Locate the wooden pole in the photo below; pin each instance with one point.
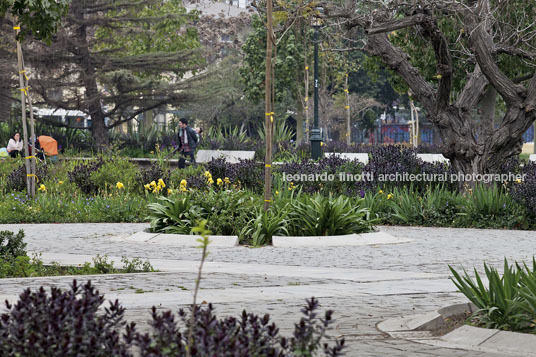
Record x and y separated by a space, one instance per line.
23 91
347 107
28 95
269 114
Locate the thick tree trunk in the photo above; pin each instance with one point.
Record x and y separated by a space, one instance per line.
5 103
99 132
487 111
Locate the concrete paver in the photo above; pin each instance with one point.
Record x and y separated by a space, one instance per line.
364 285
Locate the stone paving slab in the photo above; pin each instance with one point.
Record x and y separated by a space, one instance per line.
511 343
373 238
468 336
181 240
430 252
169 265
192 240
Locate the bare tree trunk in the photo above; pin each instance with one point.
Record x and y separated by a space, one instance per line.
299 121
487 110
5 102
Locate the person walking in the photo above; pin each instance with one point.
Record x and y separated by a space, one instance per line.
15 145
187 143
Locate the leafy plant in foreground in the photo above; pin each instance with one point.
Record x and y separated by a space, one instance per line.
64 323
500 305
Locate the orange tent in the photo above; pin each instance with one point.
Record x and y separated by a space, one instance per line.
48 145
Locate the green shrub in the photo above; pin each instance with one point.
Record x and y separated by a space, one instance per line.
321 216
501 304
12 245
263 226
117 170
177 215
492 207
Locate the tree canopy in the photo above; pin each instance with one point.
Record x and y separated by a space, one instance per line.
448 52
117 59
40 18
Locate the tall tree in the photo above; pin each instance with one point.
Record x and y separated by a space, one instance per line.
40 19
115 59
475 41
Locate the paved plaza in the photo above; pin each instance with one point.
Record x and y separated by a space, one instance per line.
364 285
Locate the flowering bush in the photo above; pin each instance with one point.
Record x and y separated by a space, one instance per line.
52 321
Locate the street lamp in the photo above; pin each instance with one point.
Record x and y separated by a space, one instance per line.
316 137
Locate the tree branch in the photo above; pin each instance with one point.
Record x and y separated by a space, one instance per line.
396 59
396 24
473 89
483 48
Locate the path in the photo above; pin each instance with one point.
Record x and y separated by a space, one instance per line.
364 285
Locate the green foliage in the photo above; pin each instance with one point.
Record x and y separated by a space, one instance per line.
118 170
18 208
40 18
501 304
493 204
322 216
263 226
172 215
12 245
435 204
288 63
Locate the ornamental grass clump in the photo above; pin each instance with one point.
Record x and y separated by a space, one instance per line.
508 302
323 216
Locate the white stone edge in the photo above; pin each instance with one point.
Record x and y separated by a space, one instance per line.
371 238
417 329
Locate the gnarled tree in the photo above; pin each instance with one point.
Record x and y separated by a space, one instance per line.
477 45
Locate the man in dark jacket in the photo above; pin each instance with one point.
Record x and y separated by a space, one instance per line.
187 143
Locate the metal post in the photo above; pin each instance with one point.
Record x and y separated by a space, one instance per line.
316 138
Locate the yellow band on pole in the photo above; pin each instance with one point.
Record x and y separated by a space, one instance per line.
267 165
25 90
29 157
267 200
16 27
306 68
346 90
347 107
306 99
33 175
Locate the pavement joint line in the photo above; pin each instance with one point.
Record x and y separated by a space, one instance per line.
170 265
